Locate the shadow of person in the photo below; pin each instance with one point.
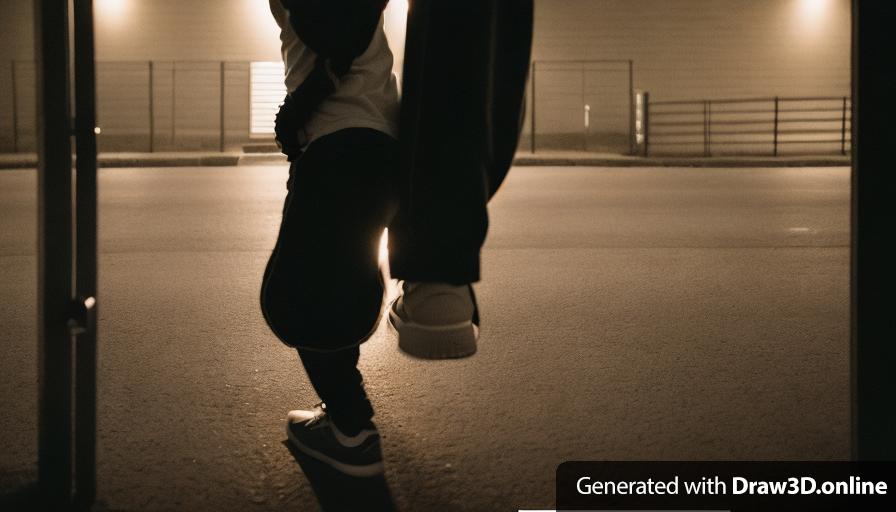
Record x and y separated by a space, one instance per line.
337 491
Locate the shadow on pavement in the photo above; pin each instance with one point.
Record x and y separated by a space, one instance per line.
337 491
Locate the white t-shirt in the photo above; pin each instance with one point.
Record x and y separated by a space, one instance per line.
365 97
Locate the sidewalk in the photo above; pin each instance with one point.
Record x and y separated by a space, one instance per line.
523 158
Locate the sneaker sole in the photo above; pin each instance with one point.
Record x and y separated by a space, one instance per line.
368 470
435 342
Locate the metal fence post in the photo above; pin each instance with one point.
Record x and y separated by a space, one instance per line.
173 104
775 129
585 126
152 109
221 109
532 127
705 136
15 108
843 129
55 252
631 107
646 122
84 322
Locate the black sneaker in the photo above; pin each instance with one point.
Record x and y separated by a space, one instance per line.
314 434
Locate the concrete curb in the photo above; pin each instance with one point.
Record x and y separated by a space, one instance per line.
29 161
535 160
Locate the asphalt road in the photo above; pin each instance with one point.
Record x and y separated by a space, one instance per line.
628 313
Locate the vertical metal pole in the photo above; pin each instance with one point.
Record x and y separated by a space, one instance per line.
15 108
173 103
222 106
631 107
872 356
584 128
85 255
775 133
532 138
249 103
152 108
705 149
646 122
843 129
55 285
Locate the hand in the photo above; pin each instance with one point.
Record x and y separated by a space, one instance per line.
287 129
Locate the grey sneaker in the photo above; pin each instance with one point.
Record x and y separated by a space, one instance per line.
314 434
435 320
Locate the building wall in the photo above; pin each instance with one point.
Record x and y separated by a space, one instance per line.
686 49
682 50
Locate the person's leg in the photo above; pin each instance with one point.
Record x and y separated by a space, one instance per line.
462 110
442 221
339 384
322 290
510 67
463 98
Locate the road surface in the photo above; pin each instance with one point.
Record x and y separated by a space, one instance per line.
629 313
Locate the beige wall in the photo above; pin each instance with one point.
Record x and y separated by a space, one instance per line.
707 48
682 49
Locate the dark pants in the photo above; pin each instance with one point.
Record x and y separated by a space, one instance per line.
462 108
463 98
322 291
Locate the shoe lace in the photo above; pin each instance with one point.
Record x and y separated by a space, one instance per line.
320 414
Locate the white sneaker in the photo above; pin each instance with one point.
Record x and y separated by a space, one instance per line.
435 320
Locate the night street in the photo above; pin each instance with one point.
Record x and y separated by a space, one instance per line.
628 313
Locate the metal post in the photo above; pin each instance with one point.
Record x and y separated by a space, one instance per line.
222 106
84 320
249 95
872 356
152 109
173 103
775 133
631 107
584 128
843 129
532 128
55 293
705 135
15 109
646 122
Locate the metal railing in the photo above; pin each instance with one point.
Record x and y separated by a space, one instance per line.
764 126
145 105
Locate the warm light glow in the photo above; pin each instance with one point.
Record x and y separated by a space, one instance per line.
257 15
391 290
395 20
111 11
812 13
384 248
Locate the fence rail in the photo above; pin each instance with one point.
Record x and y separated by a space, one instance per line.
764 125
145 105
574 105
